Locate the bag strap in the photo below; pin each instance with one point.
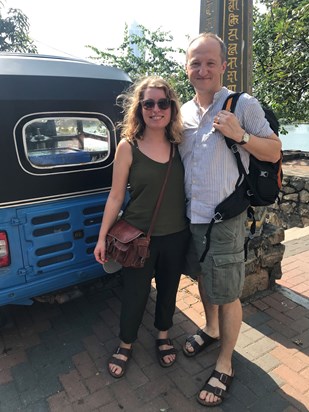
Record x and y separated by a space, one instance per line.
230 104
250 214
230 101
207 240
160 197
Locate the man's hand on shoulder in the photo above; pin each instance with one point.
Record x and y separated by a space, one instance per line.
228 124
267 149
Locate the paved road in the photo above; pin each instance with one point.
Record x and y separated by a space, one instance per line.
53 357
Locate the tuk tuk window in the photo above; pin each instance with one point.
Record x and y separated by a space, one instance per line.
64 141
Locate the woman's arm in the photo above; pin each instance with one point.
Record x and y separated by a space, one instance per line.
122 164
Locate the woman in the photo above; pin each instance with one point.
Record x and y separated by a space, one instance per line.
151 124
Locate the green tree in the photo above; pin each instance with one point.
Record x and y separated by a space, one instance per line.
280 58
14 32
148 53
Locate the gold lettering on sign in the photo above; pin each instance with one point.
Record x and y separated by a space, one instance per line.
233 5
232 63
232 49
233 19
233 34
232 76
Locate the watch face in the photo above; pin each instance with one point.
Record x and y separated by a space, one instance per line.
246 138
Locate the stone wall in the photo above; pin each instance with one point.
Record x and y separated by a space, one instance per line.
293 209
266 251
263 266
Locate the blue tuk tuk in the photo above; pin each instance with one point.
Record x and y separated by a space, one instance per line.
58 136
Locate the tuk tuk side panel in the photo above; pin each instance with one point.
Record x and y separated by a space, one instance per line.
58 235
56 242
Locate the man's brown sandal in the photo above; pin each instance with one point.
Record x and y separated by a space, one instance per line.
161 353
218 392
197 348
119 362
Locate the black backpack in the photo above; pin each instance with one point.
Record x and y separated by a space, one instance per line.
259 187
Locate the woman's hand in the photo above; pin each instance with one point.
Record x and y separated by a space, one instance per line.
99 252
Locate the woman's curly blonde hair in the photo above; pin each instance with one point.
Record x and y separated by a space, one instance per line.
133 125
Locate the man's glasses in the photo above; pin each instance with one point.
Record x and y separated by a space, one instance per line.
149 104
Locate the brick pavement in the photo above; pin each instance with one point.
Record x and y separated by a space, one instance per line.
53 357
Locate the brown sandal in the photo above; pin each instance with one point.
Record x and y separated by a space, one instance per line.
164 352
197 348
119 362
218 392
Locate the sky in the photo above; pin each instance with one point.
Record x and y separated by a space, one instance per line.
64 27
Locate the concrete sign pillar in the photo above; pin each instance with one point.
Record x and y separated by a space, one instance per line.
232 21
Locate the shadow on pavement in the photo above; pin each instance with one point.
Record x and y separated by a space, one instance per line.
53 358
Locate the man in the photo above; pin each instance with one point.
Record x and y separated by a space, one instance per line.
210 176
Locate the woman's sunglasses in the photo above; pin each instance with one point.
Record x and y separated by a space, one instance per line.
149 104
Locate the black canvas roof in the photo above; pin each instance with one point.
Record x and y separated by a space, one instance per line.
56 66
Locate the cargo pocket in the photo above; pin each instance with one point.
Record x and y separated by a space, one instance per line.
228 276
228 235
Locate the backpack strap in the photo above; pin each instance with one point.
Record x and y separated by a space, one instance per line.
250 214
207 240
231 101
221 209
230 105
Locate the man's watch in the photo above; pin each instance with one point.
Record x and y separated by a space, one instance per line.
245 138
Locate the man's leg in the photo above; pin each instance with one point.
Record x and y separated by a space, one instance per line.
211 313
222 281
212 318
226 265
230 318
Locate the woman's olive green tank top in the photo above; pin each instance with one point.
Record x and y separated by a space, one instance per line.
145 181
